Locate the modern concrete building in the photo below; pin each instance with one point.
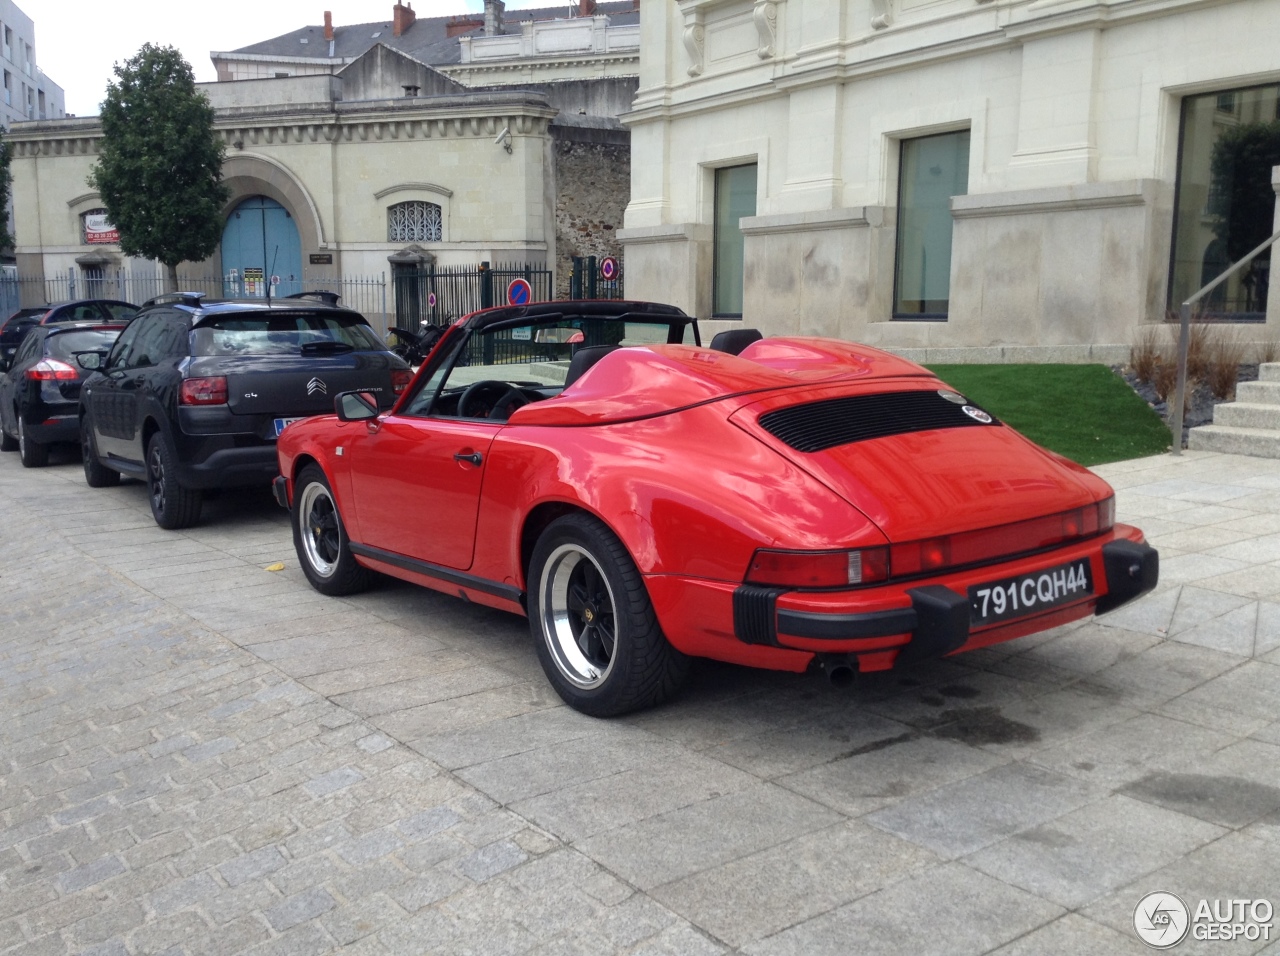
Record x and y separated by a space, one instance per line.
28 93
1032 178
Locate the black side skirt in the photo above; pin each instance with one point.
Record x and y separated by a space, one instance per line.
484 585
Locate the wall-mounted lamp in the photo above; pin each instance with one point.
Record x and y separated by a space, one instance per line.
504 138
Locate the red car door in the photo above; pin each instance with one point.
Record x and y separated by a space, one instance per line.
416 486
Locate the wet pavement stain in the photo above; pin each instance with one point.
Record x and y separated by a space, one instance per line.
982 725
959 690
1233 801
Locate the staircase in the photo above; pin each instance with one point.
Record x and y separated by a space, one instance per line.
1248 426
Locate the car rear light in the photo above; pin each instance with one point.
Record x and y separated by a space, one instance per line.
51 370
818 569
987 544
204 391
400 379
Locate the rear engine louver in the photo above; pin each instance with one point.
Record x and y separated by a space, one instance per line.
840 421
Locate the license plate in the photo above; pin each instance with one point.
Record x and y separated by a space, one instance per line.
282 422
1030 593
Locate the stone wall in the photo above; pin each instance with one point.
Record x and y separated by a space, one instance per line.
593 187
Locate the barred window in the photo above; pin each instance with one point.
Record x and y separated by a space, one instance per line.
414 221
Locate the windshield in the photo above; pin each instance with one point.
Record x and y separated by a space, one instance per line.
492 371
66 344
284 333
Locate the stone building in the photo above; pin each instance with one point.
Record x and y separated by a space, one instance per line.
1028 177
383 167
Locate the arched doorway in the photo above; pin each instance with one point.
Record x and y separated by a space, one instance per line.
260 240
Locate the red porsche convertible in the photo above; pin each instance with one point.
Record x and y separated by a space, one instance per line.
777 502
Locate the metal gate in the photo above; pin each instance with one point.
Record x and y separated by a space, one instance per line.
437 296
589 278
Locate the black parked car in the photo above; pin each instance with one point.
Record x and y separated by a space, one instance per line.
40 393
14 329
194 393
89 310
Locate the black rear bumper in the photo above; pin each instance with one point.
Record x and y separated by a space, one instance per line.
938 618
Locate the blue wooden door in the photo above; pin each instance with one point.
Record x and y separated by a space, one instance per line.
260 240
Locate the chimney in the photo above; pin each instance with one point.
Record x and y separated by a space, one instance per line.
328 25
493 10
586 8
402 18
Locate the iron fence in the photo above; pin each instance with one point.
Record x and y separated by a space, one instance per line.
438 295
595 278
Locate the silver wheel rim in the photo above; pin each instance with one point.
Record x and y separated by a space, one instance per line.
321 530
155 475
579 622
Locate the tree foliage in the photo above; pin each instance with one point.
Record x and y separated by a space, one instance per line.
159 169
6 180
1241 195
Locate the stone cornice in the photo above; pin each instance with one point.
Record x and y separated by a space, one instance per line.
456 117
1133 192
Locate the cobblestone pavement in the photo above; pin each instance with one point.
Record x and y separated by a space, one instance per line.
199 755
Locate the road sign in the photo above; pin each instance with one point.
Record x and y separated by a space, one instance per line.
275 280
519 292
431 300
608 268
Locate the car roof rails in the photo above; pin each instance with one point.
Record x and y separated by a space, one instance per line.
320 295
192 299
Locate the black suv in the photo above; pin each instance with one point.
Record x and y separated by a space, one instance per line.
194 394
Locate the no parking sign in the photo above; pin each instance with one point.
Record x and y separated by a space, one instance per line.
609 268
519 292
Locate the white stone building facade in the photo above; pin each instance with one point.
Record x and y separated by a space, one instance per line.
1016 176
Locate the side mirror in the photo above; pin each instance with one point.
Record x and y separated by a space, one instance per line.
356 406
91 361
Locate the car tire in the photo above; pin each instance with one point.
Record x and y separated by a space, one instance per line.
7 441
585 592
172 505
96 474
34 455
320 538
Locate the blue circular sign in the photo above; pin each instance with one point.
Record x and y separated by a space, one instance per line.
519 292
609 268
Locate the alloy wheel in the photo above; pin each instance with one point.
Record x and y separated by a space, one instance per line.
578 616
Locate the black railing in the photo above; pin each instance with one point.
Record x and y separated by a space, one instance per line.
437 296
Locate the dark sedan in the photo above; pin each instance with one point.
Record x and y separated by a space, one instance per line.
14 328
40 393
90 310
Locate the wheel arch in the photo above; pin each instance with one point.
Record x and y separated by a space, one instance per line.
537 520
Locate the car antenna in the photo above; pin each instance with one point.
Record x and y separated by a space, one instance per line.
274 258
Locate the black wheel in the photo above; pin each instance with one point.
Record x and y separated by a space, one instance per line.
96 474
597 637
320 539
34 455
7 441
172 505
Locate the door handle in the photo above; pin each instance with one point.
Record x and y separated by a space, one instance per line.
474 457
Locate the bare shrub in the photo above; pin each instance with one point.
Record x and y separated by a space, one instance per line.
1201 339
1144 354
1164 379
1226 354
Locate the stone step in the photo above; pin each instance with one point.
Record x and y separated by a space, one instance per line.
1269 372
1259 393
1258 442
1247 415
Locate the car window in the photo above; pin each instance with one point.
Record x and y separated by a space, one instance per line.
119 311
84 312
28 348
419 404
120 351
284 333
66 344
163 337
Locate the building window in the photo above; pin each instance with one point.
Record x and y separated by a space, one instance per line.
735 199
1225 202
932 170
414 222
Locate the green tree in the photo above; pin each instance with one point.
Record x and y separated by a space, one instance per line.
159 170
6 179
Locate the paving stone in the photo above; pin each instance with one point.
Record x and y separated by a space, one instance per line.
250 866
299 908
333 781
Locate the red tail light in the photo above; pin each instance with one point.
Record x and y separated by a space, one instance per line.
51 370
203 391
400 379
818 569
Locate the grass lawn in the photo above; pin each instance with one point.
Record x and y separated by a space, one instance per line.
1085 412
